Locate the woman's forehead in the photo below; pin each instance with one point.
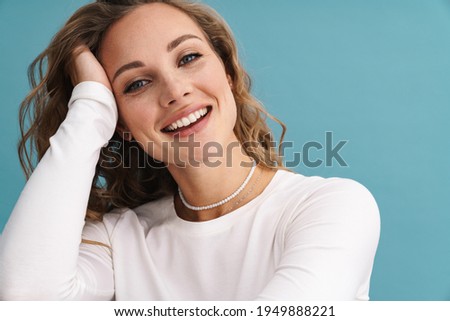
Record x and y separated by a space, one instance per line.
156 20
146 33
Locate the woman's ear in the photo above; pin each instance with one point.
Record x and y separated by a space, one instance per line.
230 81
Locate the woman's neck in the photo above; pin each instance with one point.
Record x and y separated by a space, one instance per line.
209 182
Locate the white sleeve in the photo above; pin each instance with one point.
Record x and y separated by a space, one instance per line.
40 252
329 246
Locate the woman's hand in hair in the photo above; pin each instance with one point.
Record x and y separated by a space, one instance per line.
86 67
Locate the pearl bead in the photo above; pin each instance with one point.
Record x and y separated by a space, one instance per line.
225 200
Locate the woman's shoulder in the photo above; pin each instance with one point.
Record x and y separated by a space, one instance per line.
292 181
151 213
331 195
338 209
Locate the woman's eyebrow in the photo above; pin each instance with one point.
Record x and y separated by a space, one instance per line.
175 43
171 46
131 65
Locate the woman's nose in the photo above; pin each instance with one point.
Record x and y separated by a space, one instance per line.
175 88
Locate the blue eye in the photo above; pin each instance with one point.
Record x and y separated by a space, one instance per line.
189 58
136 85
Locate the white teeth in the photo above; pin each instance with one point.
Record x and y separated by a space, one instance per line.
185 121
189 119
192 118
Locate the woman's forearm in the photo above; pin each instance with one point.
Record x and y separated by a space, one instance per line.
40 243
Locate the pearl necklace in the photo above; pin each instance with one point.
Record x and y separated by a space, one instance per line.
225 200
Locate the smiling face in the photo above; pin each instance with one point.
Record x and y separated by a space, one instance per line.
168 82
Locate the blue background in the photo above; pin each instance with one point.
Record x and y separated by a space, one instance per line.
374 73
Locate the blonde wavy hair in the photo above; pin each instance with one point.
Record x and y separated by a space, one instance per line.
127 184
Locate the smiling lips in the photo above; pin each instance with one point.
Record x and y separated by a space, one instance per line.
188 120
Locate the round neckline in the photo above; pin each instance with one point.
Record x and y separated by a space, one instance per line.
223 222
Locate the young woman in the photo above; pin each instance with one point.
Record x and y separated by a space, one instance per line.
158 181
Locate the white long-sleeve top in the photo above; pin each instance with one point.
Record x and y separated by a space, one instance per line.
302 238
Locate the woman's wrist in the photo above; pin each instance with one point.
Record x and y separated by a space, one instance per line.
86 67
